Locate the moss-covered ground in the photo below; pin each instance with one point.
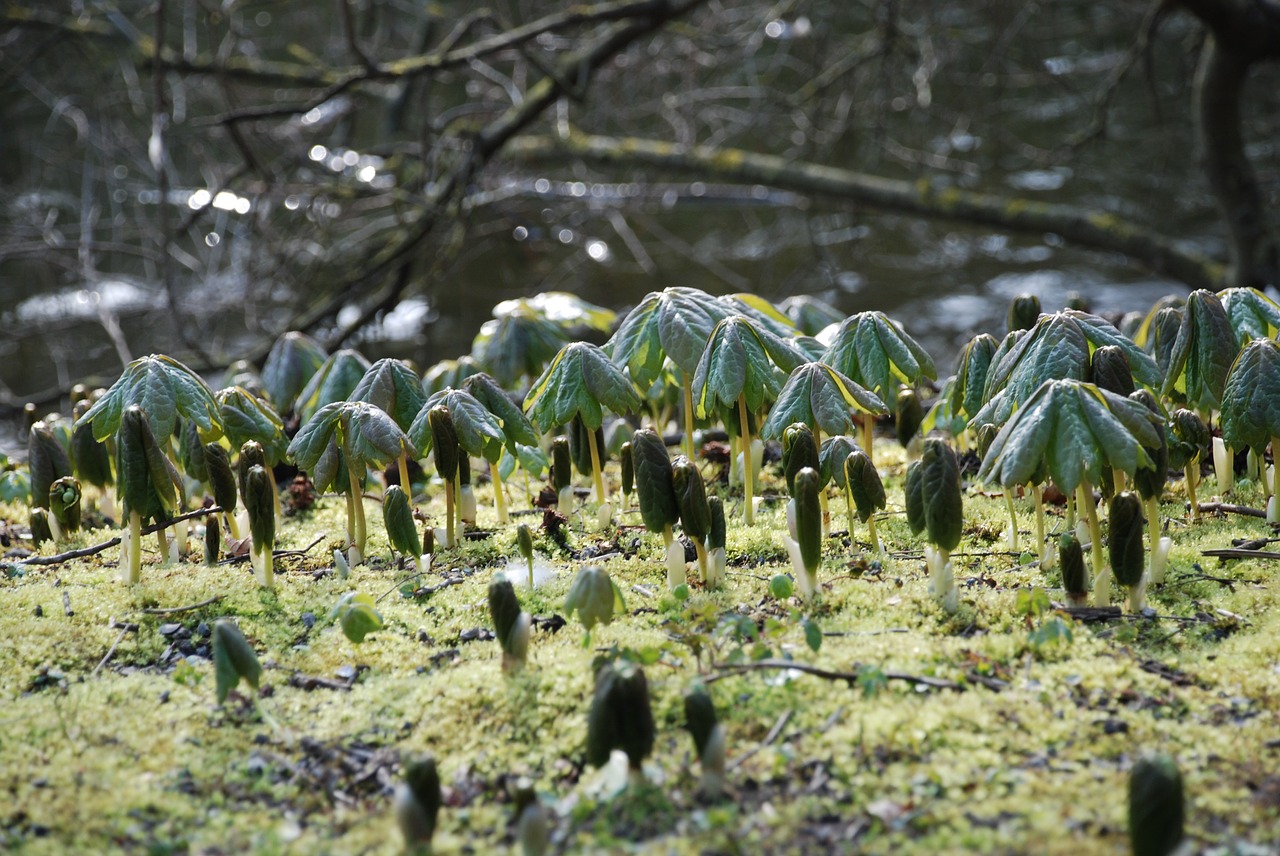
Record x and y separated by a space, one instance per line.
1012 743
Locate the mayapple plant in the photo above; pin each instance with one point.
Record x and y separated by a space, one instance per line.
656 496
1075 577
1125 525
595 597
511 624
805 549
708 741
402 532
417 804
715 543
620 717
524 543
942 504
445 450
562 474
357 614
148 485
222 481
531 820
233 659
64 507
865 491
1156 807
695 513
260 502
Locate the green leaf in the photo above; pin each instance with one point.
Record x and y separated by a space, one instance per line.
478 431
1076 430
1109 369
967 396
515 425
812 634
1202 354
1251 397
671 324
835 450
620 716
365 435
808 518
594 596
221 478
293 360
148 481
699 717
941 493
1075 579
164 388
738 361
1125 523
357 615
246 418
517 344
392 386
655 488
260 502
781 586
913 497
874 351
579 382
233 659
332 382
691 498
810 315
798 451
822 398
504 609
1252 314
450 373
47 461
397 516
15 486
562 308
90 459
864 484
1156 807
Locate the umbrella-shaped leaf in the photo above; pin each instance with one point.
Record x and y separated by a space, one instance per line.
393 387
164 388
293 360
565 310
449 373
1202 354
478 429
1252 314
874 351
674 323
595 597
1251 398
334 381
515 425
1076 430
738 361
820 397
357 615
580 381
364 433
246 418
518 343
759 310
148 481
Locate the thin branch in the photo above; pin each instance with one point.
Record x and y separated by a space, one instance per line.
730 669
113 542
1083 226
176 609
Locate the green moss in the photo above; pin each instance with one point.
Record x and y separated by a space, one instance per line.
129 758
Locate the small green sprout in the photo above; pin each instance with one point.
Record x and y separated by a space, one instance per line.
620 717
511 624
233 659
715 543
806 548
595 597
708 740
524 543
417 804
1024 311
1156 807
942 505
562 473
1075 577
531 820
260 502
695 513
865 490
64 507
357 614
402 532
1125 525
212 541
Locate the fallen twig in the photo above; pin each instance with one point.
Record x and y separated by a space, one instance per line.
728 669
174 609
112 650
313 682
1228 508
773 735
1237 553
82 552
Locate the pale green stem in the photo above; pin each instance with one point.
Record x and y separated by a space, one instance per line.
871 533
1013 519
357 505
403 464
1039 499
597 471
868 424
1153 521
747 475
135 548
1192 476
162 543
499 492
1085 492
702 558
448 511
667 536
1071 512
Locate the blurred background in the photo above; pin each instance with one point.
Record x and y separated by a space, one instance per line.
196 177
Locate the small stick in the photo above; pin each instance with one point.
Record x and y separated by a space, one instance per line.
175 609
1228 508
114 542
827 674
112 650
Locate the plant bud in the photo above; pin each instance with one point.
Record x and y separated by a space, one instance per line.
798 451
47 461
504 609
940 493
1124 544
221 480
864 484
628 468
715 536
90 459
1109 370
655 490
418 802
251 455
691 497
40 529
212 540
1024 310
524 541
594 596
260 502
1075 579
912 490
64 503
397 516
1156 811
909 413
620 716
444 440
808 519
233 659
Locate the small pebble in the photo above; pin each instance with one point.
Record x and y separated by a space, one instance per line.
170 629
346 673
308 620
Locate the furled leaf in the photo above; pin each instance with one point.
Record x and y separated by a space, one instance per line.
1252 314
864 484
1075 579
357 615
165 389
418 801
873 350
715 535
1187 436
1075 429
1125 523
90 459
908 414
1109 370
1251 397
1024 311
397 516
393 387
504 609
1202 354
798 451
579 382
47 461
561 463
691 498
620 716
64 503
627 465
1156 807
293 360
699 717
260 501
246 418
913 497
674 323
594 596
1150 481
148 481
808 518
655 490
233 659
941 494
822 398
221 478
967 395
332 382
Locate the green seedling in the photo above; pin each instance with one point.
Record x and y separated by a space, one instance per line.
708 741
148 486
595 597
695 513
233 659
393 387
47 461
334 381
222 481
805 513
402 532
64 507
1251 408
511 624
357 614
1124 527
524 543
260 502
942 508
417 804
620 717
865 491
1024 311
1156 807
